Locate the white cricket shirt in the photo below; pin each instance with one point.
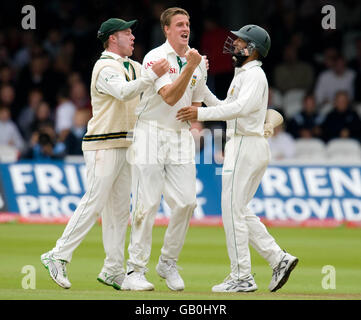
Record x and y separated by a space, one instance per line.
246 104
152 107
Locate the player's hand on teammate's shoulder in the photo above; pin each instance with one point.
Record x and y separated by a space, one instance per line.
193 57
187 113
160 67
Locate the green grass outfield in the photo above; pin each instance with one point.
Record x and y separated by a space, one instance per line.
204 262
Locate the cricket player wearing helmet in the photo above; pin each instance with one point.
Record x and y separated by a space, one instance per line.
116 86
247 155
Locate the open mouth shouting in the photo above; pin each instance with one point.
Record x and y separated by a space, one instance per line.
185 36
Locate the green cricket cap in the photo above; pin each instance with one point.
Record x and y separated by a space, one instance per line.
112 25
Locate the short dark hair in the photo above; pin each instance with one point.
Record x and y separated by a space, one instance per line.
167 15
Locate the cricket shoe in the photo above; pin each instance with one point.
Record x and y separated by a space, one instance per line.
246 284
57 269
282 272
112 280
136 281
168 270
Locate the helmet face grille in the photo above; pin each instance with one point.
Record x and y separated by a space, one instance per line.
228 46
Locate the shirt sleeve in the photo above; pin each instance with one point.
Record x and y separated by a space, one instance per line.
148 61
111 82
210 99
249 100
199 92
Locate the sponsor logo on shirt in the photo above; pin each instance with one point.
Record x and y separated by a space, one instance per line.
172 70
149 64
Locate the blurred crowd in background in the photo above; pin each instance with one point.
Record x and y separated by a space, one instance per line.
314 74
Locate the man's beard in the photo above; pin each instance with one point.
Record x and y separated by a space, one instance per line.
238 60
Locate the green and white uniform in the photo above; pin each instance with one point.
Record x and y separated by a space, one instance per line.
114 97
247 155
164 163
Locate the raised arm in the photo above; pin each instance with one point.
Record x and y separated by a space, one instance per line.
111 82
210 99
247 101
171 93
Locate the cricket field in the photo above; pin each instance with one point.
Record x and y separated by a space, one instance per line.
329 265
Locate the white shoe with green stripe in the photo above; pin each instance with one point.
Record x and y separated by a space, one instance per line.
112 280
56 269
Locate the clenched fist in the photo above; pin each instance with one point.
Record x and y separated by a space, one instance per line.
193 57
160 67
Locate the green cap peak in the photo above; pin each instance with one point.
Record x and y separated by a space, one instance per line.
112 25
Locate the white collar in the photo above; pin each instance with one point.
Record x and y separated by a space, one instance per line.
251 64
113 55
169 49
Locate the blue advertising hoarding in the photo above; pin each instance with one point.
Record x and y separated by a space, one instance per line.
292 192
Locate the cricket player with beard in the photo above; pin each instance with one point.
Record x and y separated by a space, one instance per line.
164 151
247 155
116 85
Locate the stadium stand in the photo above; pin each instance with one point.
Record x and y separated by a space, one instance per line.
341 149
310 149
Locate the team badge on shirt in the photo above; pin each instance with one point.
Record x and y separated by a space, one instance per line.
194 80
232 91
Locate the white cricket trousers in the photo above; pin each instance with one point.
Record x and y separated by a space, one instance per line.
163 165
108 194
245 162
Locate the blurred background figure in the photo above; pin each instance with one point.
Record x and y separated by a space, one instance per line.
342 121
52 43
28 112
7 99
306 124
9 133
293 73
44 147
336 78
355 64
73 141
64 113
7 75
79 95
42 118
